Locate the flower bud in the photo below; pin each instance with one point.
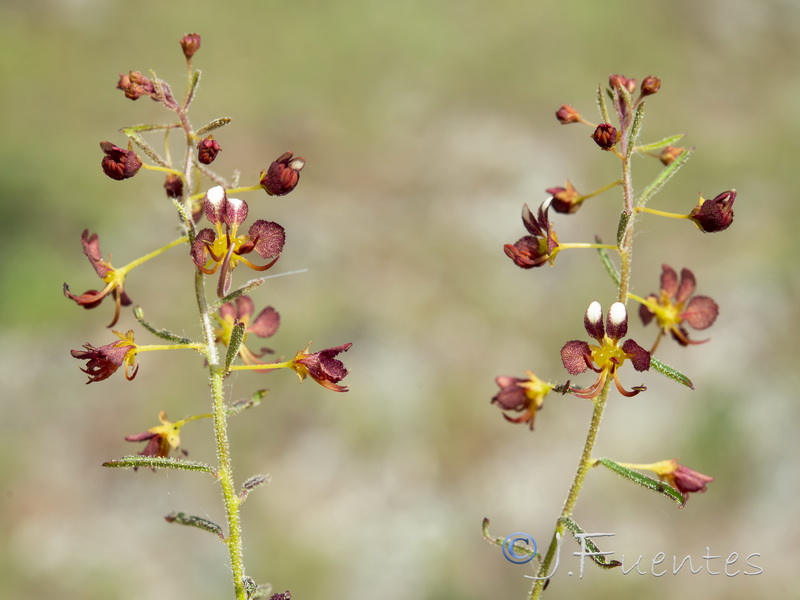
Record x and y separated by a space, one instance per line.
620 81
606 136
173 186
566 114
566 200
670 153
714 215
190 43
282 175
207 150
119 164
650 85
135 85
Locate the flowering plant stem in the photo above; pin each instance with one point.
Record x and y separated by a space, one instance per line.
625 249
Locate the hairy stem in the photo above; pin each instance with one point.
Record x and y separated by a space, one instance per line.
585 463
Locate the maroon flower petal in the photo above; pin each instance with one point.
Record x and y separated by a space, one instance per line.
532 223
669 281
701 312
91 248
119 164
645 314
687 286
526 252
244 307
104 361
511 396
690 481
575 356
283 175
639 357
268 237
266 323
199 249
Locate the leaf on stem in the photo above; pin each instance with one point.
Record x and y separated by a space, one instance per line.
159 462
245 289
601 105
487 536
643 480
256 481
240 405
215 124
237 335
673 374
597 555
193 521
191 92
652 147
605 258
145 147
162 333
149 127
623 225
663 177
636 127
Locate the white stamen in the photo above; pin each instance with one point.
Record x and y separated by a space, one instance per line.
617 313
216 195
594 313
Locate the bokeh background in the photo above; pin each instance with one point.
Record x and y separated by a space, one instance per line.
426 125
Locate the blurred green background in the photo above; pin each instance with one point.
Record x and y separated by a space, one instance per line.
426 125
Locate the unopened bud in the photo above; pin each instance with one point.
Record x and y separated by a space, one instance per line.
190 43
650 85
606 136
207 150
566 114
282 175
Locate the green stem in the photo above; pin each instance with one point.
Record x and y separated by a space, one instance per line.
584 465
133 264
586 461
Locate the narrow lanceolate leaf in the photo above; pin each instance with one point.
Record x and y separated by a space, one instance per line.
145 147
636 127
601 105
256 481
663 177
158 462
623 225
236 407
162 333
192 90
673 374
611 268
215 124
653 146
643 480
245 289
199 522
150 127
487 536
598 558
237 335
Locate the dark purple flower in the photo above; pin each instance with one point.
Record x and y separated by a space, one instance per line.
282 175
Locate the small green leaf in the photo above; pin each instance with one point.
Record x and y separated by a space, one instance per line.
653 146
253 591
215 124
673 374
643 480
598 558
601 105
158 462
192 90
256 481
199 522
237 335
145 147
149 127
605 258
663 177
623 225
487 536
240 405
636 127
162 333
